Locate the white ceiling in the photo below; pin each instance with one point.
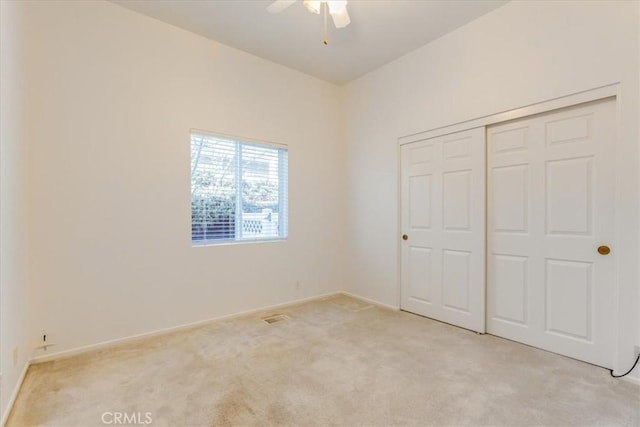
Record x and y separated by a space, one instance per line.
380 31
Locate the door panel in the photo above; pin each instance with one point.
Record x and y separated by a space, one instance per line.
510 281
419 277
455 276
420 201
457 200
568 193
568 298
443 215
510 186
550 205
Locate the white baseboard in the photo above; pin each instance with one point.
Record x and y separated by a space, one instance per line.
105 344
14 394
370 301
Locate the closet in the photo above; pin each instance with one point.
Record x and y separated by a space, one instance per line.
507 228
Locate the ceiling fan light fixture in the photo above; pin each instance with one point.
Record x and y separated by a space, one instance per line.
338 12
341 20
312 6
337 6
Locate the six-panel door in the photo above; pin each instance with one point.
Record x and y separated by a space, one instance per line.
443 218
550 206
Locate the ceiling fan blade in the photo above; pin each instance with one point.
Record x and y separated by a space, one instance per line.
279 5
341 19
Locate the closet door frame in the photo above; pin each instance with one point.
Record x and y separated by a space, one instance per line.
626 291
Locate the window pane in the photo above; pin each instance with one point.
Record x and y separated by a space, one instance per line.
238 190
260 192
213 188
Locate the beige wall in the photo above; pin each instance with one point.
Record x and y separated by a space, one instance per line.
13 199
112 96
520 54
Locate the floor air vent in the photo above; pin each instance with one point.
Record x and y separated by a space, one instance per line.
274 318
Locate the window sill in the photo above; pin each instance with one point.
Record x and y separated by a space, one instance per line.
236 242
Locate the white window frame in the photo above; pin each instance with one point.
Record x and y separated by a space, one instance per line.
283 190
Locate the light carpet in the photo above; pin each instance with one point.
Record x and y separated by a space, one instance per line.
337 362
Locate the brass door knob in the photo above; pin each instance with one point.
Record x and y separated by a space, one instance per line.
405 237
604 250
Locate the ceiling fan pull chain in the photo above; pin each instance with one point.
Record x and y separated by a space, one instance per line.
324 40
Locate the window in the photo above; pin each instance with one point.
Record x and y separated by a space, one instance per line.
238 190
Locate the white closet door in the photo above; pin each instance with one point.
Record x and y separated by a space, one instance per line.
550 207
443 219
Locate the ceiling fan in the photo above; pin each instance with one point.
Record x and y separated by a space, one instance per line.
336 8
